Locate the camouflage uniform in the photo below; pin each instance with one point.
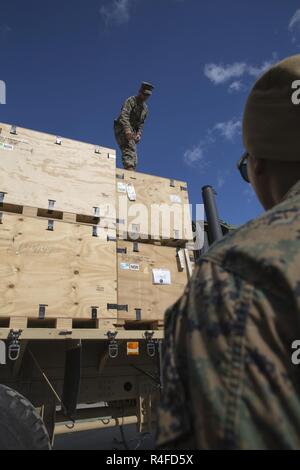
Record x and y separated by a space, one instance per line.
229 380
132 118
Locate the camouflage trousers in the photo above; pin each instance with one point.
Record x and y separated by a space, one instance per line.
128 148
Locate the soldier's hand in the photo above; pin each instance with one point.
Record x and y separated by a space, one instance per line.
129 135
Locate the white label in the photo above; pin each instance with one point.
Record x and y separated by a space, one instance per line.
131 192
124 265
161 276
122 187
6 146
134 267
175 198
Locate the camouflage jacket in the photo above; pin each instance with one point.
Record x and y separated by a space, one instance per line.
133 115
229 381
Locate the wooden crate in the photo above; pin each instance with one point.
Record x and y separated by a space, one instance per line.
139 299
160 210
35 169
68 270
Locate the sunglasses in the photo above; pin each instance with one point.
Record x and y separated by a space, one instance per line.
243 167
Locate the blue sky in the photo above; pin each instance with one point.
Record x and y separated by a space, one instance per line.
69 65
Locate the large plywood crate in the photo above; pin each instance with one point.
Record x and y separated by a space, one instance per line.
140 299
159 209
66 274
36 168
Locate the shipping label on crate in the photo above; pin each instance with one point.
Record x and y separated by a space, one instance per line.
131 192
134 267
161 276
124 266
122 187
130 266
174 198
4 146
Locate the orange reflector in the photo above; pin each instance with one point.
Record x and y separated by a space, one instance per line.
133 348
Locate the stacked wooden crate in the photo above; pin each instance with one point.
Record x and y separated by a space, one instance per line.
83 244
153 263
57 232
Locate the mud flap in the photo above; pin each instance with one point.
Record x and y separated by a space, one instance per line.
72 379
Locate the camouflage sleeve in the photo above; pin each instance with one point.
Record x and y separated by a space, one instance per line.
125 115
228 377
142 123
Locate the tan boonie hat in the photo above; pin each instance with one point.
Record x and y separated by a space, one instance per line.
271 125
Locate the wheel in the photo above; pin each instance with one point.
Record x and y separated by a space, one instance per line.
21 428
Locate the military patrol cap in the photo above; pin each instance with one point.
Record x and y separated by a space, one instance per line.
147 88
271 124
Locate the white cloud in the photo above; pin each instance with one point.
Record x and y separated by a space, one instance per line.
236 86
220 180
118 11
229 129
294 23
257 71
222 74
196 156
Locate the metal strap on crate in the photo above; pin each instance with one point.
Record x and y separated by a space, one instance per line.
120 308
42 311
94 312
138 314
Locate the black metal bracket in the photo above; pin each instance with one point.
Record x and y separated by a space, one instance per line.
138 314
14 345
94 313
42 311
113 347
120 308
151 347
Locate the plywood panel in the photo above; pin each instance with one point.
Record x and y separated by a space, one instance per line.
135 283
34 169
67 269
160 210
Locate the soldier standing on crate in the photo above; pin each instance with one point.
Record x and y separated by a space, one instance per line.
129 125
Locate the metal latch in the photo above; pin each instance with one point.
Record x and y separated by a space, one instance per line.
14 345
51 204
96 211
151 349
113 347
50 225
94 313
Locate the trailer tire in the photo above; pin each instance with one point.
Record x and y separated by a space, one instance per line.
21 427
